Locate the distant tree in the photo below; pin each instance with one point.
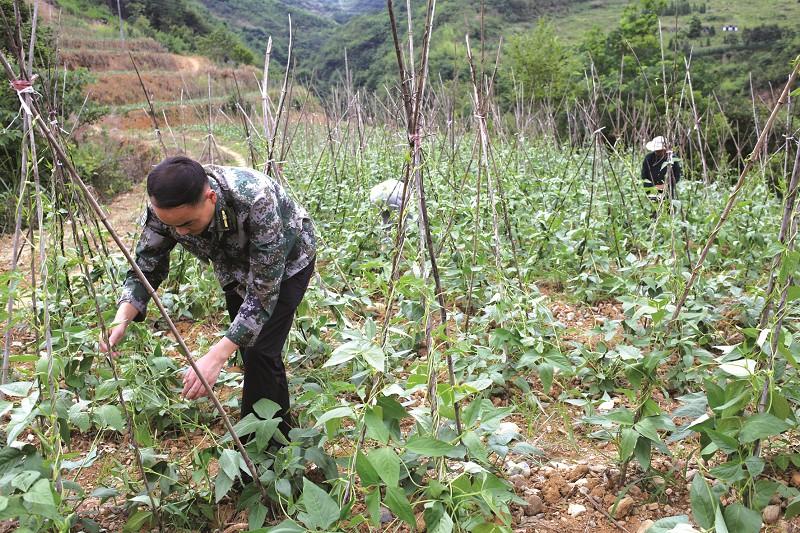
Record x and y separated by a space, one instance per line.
764 34
540 62
222 46
695 28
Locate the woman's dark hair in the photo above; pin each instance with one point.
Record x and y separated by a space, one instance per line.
176 181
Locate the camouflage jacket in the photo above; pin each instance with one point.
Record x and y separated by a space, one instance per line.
258 237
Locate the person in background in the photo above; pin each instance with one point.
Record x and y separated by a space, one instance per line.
660 170
388 196
263 249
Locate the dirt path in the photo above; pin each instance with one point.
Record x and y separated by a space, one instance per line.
237 159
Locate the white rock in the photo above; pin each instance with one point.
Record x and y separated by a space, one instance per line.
506 428
576 509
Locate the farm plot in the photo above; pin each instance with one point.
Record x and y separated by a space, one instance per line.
573 389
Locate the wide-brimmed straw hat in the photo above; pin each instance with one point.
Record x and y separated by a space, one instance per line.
656 144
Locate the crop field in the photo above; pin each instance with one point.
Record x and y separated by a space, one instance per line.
531 343
559 331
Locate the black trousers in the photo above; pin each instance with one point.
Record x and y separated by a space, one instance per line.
264 373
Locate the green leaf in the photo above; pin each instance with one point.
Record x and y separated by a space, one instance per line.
729 472
19 389
266 408
793 293
320 509
374 357
343 353
338 412
793 509
40 494
245 426
373 501
137 521
647 428
108 388
265 431
475 446
760 426
428 446
724 442
24 480
627 443
256 516
437 520
397 502
104 493
222 484
367 473
80 420
109 416
740 519
765 489
376 428
229 463
703 502
642 452
546 376
387 464
755 465
719 522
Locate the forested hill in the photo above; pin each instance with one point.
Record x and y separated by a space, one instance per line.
324 30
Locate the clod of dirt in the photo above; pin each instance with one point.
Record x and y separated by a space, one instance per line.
535 505
598 492
578 472
644 526
576 509
771 514
624 508
519 482
796 478
553 488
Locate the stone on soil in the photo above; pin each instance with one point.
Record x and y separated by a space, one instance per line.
578 472
771 514
535 505
576 509
624 508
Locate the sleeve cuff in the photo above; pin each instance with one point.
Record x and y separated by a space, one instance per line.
240 335
129 295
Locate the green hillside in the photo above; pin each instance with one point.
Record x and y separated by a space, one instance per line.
340 10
